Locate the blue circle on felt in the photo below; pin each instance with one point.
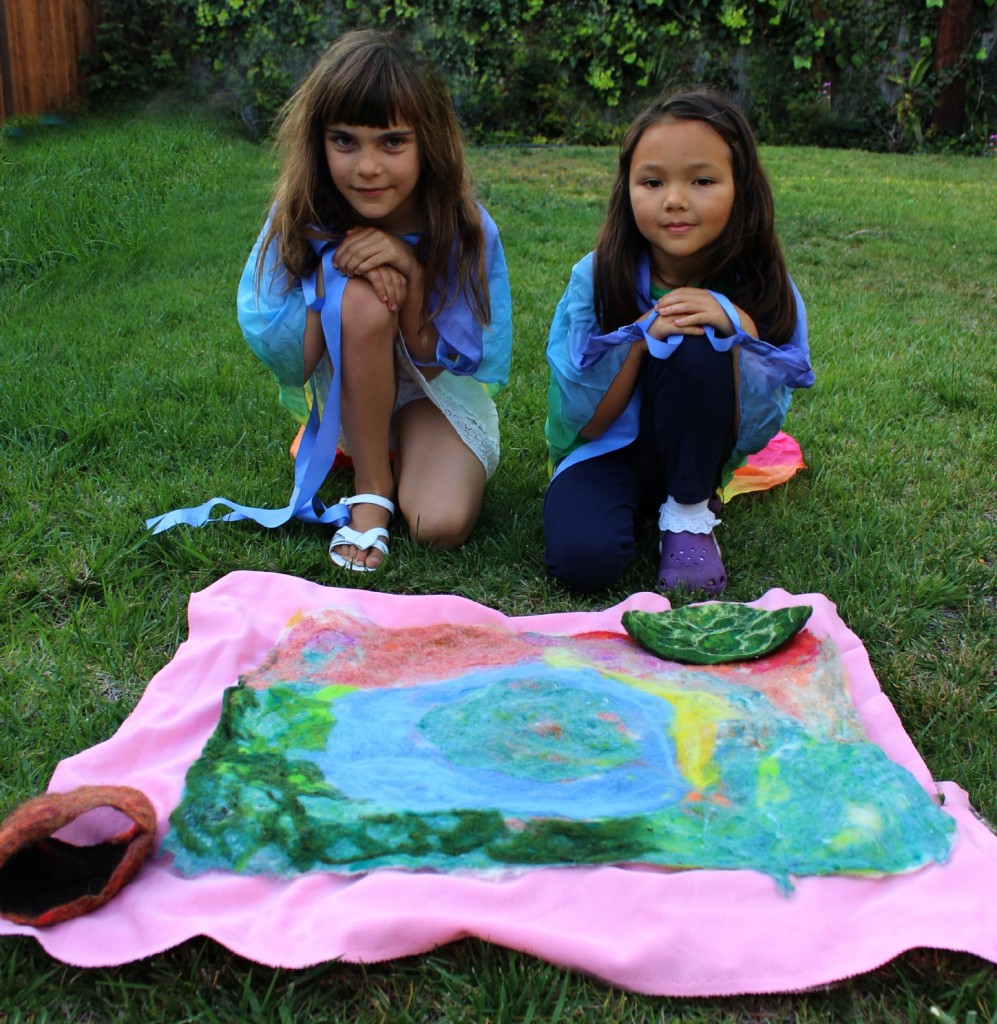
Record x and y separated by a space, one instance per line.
532 740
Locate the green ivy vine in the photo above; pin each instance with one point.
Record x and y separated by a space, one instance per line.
853 73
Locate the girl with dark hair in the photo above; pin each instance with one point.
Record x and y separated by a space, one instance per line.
661 382
377 294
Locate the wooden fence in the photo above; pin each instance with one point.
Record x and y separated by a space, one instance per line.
40 45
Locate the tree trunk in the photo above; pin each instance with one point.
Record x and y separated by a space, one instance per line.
955 27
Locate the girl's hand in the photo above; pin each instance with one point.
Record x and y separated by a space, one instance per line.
366 249
391 285
664 326
689 310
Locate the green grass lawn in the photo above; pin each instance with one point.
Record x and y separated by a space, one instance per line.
126 390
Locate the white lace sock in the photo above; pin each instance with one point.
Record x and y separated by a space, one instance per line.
678 518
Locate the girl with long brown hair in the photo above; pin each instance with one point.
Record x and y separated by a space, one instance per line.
378 296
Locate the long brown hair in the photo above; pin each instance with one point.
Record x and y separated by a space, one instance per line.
745 262
368 78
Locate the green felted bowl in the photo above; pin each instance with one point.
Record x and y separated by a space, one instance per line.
709 634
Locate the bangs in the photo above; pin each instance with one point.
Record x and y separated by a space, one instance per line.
715 111
376 93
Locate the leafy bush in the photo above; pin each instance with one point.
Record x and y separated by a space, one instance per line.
140 46
537 70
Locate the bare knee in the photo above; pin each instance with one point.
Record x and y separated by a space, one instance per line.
364 315
440 528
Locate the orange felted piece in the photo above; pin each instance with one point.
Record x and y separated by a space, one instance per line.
44 880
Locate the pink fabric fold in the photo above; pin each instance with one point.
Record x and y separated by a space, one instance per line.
692 933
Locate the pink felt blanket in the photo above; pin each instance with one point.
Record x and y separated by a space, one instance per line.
692 933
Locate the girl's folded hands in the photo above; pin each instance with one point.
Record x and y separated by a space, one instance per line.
689 310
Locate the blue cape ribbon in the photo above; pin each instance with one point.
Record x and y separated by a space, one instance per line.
317 448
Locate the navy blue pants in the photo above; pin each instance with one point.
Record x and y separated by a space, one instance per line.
594 509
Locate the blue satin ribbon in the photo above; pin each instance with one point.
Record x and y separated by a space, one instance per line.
317 448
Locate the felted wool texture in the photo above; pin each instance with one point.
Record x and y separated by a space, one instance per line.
45 880
357 747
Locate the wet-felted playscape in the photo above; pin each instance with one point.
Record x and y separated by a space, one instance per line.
357 746
707 801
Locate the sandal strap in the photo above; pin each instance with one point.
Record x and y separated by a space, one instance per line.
375 537
370 499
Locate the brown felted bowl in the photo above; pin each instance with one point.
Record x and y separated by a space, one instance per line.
44 880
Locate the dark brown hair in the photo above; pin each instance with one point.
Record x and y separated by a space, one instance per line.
745 263
368 78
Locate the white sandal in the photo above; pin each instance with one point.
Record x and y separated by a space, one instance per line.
375 537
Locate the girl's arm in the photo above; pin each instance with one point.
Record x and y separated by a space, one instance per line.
618 395
314 342
421 341
615 400
314 338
